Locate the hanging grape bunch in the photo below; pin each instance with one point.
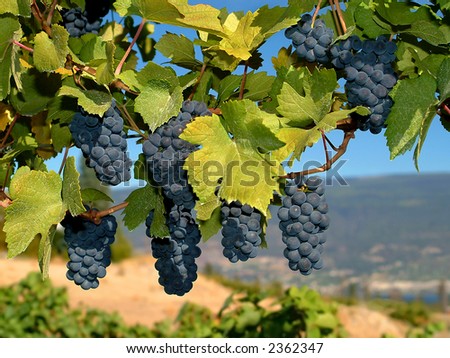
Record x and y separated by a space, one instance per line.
303 219
241 230
369 76
311 40
78 22
103 143
88 248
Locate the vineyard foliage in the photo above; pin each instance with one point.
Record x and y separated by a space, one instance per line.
33 308
254 125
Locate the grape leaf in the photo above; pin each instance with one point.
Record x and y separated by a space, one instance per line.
71 191
302 110
444 4
424 127
155 10
49 54
62 108
6 115
105 68
11 30
40 127
140 203
210 227
413 98
45 252
231 156
36 207
427 31
364 19
61 136
16 7
38 90
179 49
443 79
90 195
152 73
157 104
95 101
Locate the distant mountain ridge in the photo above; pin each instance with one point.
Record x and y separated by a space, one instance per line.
395 226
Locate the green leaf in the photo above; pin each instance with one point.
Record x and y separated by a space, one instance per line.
427 31
16 7
258 85
61 136
36 207
212 226
90 195
444 4
62 108
11 30
155 10
364 19
237 165
412 98
140 203
443 79
45 252
179 49
50 54
424 127
95 101
157 104
154 73
105 69
302 110
71 191
38 90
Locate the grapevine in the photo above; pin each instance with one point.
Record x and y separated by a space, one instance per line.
213 130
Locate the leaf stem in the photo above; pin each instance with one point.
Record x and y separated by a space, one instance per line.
348 135
197 83
130 120
17 43
324 141
340 16
335 17
315 13
8 132
64 159
51 12
127 52
243 81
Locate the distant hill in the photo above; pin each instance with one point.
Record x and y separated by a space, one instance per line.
394 227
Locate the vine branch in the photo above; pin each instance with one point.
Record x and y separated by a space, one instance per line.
197 83
335 17
315 13
96 216
339 153
340 16
51 12
243 81
8 132
64 159
127 52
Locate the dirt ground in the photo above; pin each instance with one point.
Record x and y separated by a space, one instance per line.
131 288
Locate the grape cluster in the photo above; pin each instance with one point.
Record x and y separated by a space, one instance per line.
175 255
78 22
369 77
166 152
303 218
241 231
311 43
88 248
103 144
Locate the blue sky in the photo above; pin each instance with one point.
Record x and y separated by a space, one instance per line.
367 154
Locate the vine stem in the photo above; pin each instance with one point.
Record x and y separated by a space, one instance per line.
340 16
315 13
8 132
339 153
127 52
39 17
243 81
63 161
324 141
132 123
197 83
446 109
335 17
96 216
51 12
17 43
